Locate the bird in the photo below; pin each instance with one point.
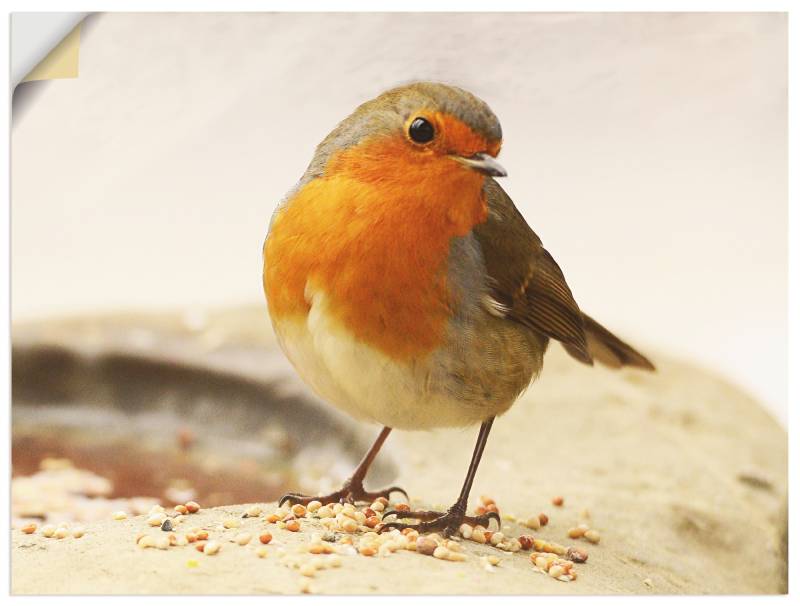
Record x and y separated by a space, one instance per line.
406 288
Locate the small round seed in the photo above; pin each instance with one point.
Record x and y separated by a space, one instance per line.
48 530
496 538
314 506
533 523
367 550
265 537
243 538
202 535
162 543
231 523
558 501
441 553
156 519
61 532
192 507
465 530
181 509
577 555
253 511
212 547
426 545
192 563
146 541
298 510
308 570
592 536
493 560
349 525
293 525
325 512
262 552
377 506
543 519
556 571
402 507
479 536
29 529
119 515
525 541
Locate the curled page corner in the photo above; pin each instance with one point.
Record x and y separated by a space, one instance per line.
61 62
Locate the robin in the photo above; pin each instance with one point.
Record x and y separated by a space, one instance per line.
407 289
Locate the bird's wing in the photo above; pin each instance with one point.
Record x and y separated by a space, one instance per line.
528 287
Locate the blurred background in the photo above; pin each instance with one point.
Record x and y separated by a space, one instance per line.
648 151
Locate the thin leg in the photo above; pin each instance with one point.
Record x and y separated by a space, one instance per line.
455 516
353 489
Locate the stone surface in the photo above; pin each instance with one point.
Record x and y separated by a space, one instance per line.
683 475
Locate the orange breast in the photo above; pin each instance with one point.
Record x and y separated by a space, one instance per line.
376 242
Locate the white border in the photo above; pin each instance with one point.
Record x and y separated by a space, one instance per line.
428 6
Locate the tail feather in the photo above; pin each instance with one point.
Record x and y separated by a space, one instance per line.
610 350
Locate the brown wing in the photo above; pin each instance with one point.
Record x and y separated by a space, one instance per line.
530 288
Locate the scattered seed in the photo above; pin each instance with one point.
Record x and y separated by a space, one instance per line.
119 515
192 507
314 506
592 536
181 509
556 571
493 560
441 553
497 538
543 519
298 510
367 550
212 547
252 512
265 537
479 536
231 523
465 530
426 545
525 542
61 532
48 530
202 535
377 506
558 501
243 538
533 523
201 547
262 552
162 542
156 519
146 541
577 555
293 526
29 529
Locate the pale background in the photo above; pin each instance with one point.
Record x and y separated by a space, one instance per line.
649 152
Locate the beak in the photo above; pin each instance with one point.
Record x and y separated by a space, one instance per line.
483 163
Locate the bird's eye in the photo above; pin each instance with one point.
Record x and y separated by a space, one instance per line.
421 131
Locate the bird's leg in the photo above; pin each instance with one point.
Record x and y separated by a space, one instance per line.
353 489
448 522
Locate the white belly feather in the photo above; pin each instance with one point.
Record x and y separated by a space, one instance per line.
362 381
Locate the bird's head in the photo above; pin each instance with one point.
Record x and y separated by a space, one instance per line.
413 133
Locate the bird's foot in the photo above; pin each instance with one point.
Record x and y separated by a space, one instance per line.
352 492
447 523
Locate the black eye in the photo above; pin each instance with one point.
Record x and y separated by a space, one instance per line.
420 131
